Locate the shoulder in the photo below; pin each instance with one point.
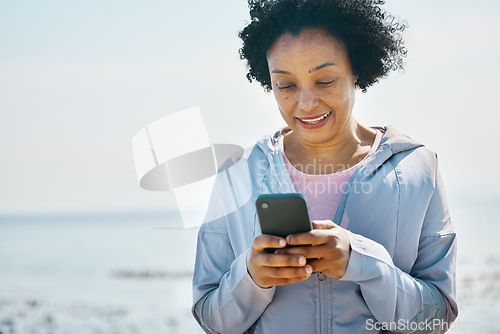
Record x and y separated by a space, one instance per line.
405 149
265 150
414 164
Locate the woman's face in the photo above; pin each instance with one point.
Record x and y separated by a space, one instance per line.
313 84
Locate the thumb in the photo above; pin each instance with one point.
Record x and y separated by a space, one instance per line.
323 224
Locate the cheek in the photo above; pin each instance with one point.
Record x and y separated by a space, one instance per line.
339 95
284 101
331 96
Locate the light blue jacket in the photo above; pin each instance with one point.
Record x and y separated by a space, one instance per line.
401 272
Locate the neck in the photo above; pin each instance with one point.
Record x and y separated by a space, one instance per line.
346 149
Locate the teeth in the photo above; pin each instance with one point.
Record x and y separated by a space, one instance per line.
315 120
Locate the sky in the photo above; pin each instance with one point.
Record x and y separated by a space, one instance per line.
79 79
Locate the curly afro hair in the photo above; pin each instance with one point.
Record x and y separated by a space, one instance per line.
372 37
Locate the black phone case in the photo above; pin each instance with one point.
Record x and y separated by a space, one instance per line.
283 214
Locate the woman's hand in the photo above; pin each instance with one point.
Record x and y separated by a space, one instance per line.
326 247
271 269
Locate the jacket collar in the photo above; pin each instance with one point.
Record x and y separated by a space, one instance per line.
394 141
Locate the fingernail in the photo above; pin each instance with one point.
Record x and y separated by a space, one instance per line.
302 260
282 243
309 269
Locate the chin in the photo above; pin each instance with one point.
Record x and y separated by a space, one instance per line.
316 138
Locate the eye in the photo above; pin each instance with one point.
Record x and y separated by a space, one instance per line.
326 83
284 86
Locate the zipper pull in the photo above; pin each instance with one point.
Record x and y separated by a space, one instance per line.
321 276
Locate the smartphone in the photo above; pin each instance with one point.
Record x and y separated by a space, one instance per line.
283 214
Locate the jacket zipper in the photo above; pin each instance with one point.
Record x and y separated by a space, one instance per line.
323 309
323 317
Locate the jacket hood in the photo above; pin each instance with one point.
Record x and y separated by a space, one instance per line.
396 140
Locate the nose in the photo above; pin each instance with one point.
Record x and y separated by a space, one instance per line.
307 100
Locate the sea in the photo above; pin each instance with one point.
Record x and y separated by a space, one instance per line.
120 273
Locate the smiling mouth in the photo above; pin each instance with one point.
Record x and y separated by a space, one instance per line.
315 120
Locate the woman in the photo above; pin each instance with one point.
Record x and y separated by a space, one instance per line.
381 256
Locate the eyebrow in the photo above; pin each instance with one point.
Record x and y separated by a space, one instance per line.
317 68
281 72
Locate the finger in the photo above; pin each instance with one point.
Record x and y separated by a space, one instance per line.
287 272
309 252
263 241
334 269
323 224
319 264
314 237
279 260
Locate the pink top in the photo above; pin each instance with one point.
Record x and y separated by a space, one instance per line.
323 191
